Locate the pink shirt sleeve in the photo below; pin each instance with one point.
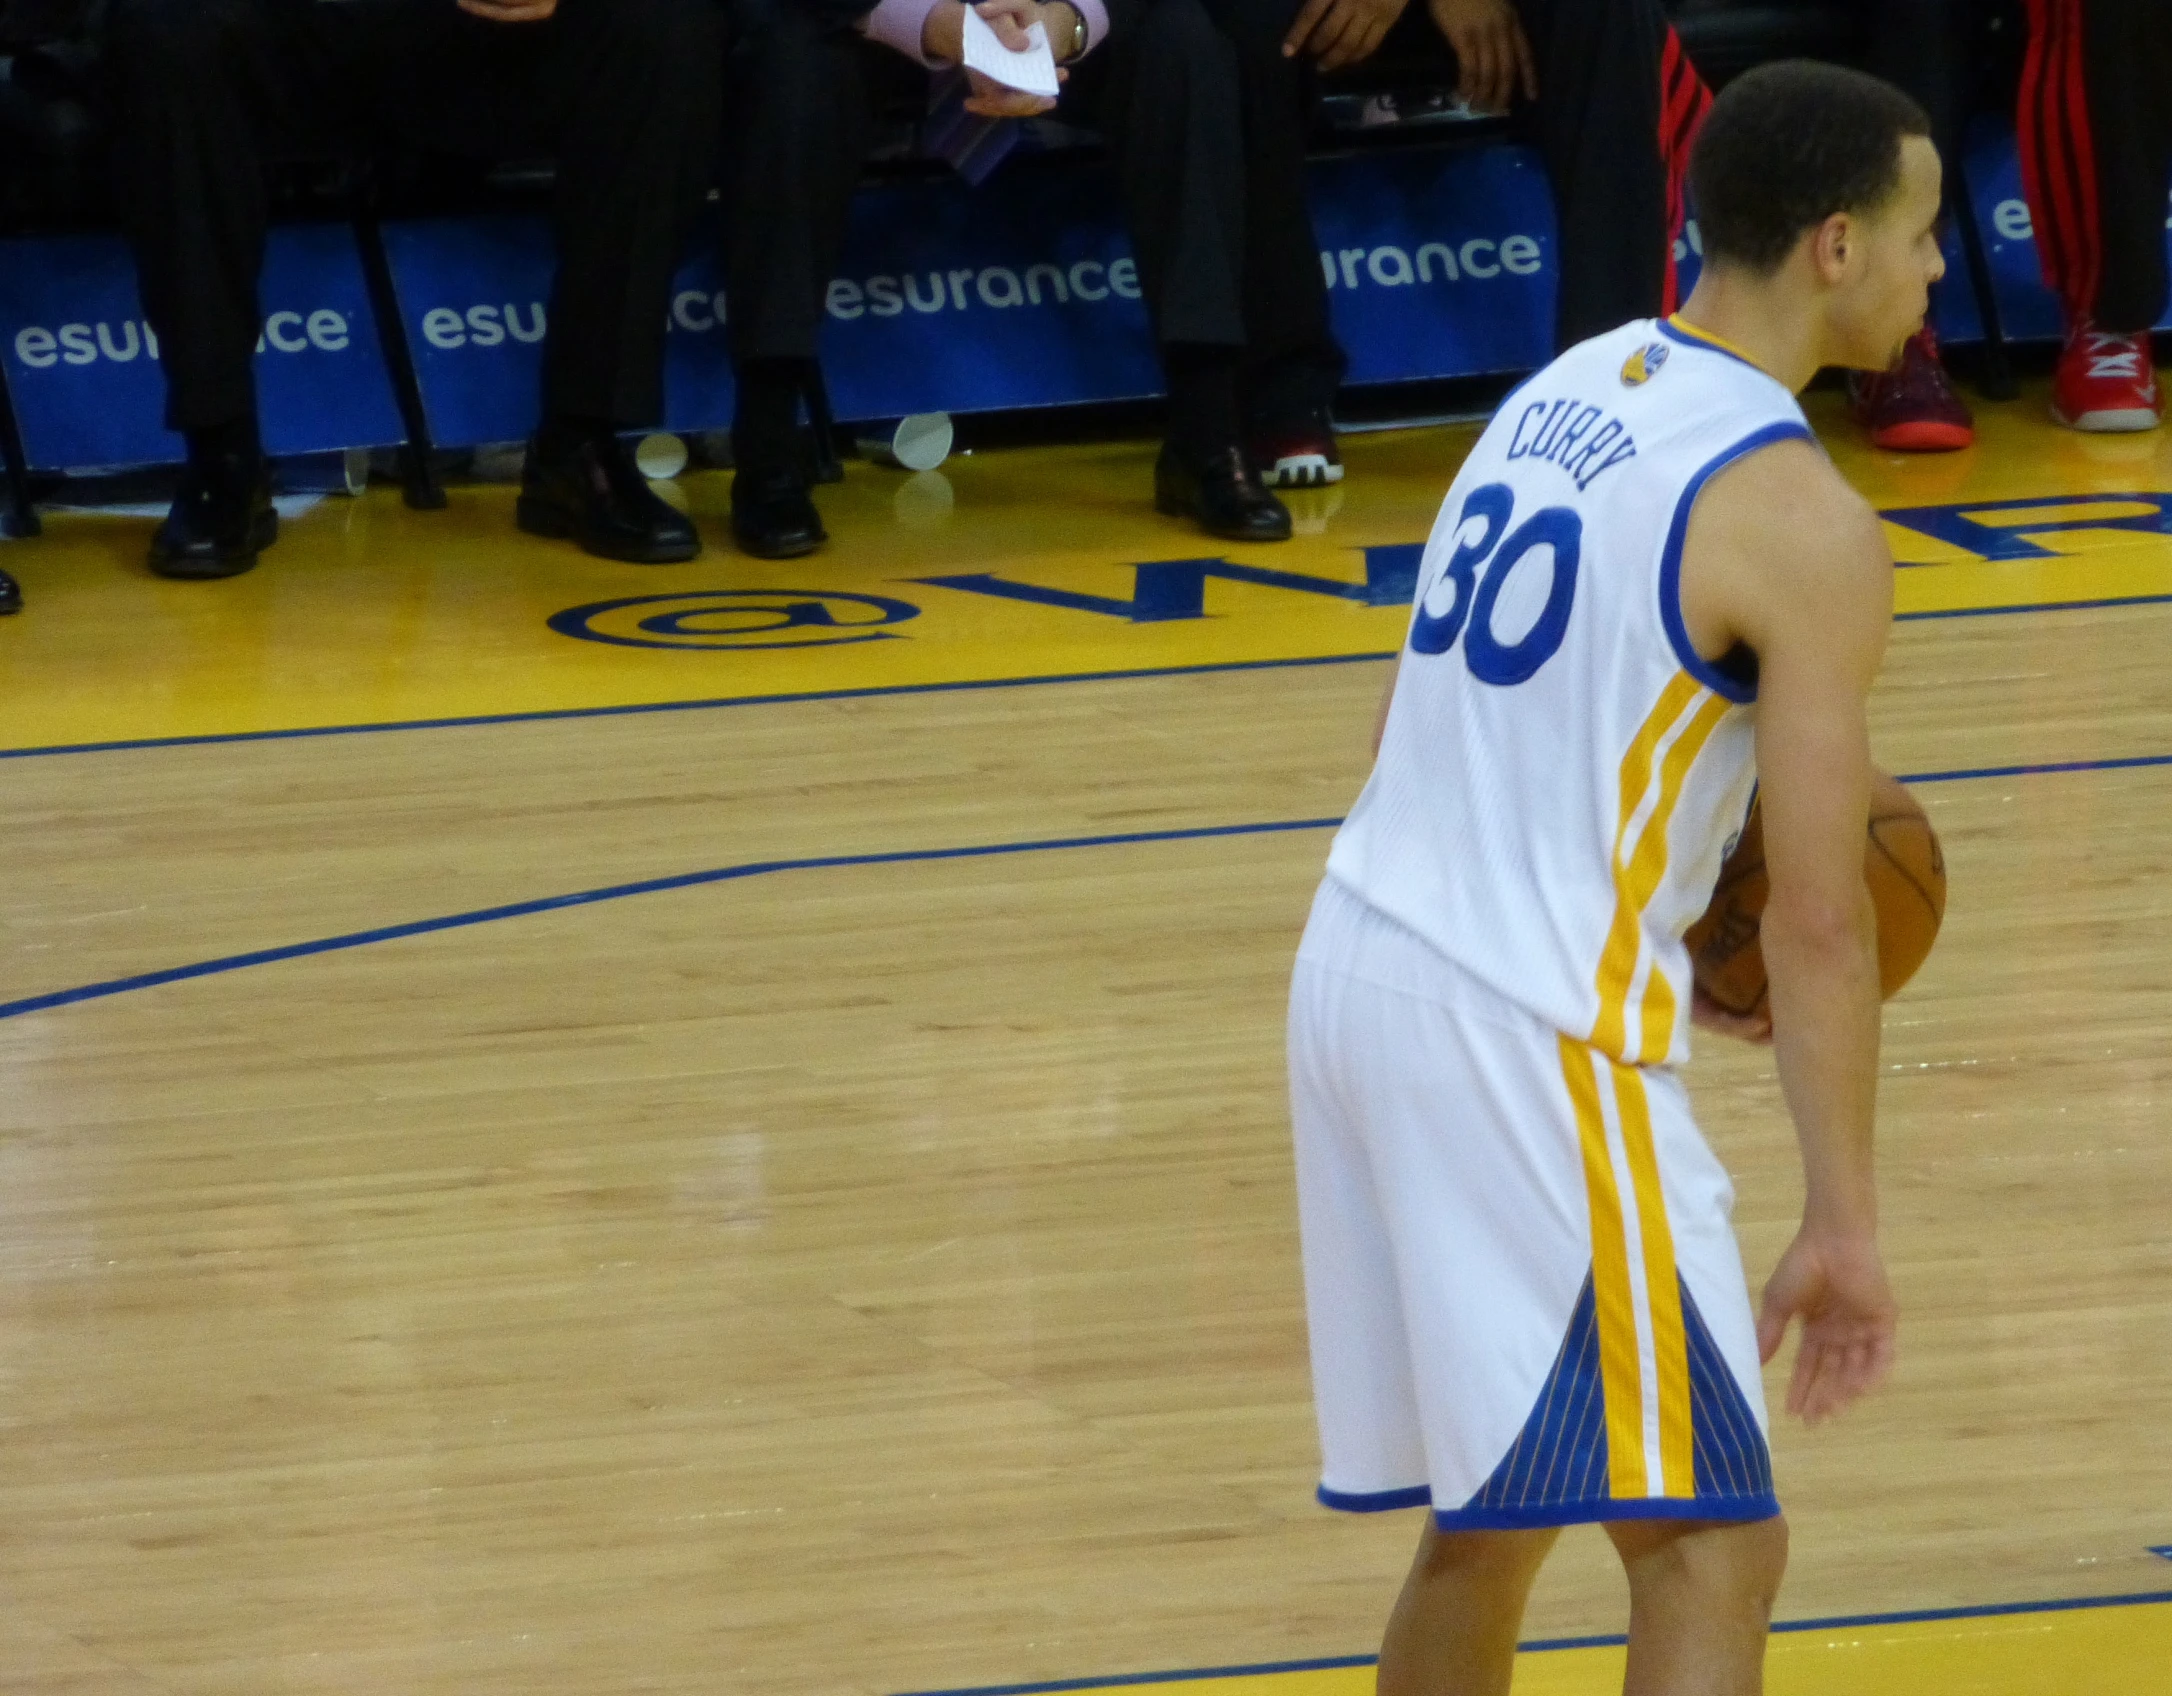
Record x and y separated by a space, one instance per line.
898 24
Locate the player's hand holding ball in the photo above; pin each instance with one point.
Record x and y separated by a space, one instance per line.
1905 870
1708 1015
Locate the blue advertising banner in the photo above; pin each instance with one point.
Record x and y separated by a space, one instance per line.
83 366
1438 264
1020 293
472 294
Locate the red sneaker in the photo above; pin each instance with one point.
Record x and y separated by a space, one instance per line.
1912 408
1303 456
2106 381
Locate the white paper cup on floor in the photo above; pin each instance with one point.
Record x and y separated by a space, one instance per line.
661 457
918 443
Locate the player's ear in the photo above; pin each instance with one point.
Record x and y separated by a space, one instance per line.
1830 244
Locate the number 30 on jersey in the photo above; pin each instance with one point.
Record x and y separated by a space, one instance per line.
1477 573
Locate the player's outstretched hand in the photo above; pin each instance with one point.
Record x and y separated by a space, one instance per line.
1837 1286
1708 1015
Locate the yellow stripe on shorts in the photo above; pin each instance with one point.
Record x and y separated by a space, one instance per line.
1662 1287
1620 1372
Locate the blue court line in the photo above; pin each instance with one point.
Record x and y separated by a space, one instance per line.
710 704
2034 606
1840 1622
761 868
783 698
2133 762
620 892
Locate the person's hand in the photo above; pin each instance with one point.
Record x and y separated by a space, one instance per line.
1341 32
1492 54
942 38
510 11
1708 1015
992 99
1835 1283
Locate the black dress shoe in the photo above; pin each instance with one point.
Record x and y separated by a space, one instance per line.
11 595
1224 494
772 514
595 494
222 518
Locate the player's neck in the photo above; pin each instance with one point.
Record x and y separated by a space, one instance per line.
1762 320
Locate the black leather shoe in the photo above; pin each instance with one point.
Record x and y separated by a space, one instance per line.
222 518
596 496
773 516
1224 494
11 595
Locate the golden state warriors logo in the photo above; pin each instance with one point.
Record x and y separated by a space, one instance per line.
717 619
1643 365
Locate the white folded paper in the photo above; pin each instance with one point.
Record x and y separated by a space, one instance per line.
1030 72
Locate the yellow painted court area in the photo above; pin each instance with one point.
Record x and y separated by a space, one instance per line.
368 613
2084 1651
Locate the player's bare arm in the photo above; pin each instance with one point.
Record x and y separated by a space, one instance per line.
1784 557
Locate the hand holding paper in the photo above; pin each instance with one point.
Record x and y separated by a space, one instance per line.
1032 71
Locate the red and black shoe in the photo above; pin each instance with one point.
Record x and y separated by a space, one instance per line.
2106 382
1301 456
1914 407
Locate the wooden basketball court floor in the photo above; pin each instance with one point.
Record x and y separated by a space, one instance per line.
579 1128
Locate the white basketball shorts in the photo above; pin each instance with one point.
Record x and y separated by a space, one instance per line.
1526 1303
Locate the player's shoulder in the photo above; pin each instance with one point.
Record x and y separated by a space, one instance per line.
1781 543
1790 495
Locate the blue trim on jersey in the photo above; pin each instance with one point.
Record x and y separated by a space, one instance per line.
1670 562
1688 336
1375 1501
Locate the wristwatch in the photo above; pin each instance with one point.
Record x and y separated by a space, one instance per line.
1077 47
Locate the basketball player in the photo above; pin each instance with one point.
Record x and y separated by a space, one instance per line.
1648 588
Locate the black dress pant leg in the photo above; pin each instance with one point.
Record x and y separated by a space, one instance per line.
1293 363
203 93
633 91
624 93
1928 50
626 97
1167 91
1597 124
799 133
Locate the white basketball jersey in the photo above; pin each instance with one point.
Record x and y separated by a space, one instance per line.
1561 770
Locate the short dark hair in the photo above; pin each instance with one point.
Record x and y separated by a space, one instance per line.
1788 145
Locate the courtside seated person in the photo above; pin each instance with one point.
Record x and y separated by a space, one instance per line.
625 94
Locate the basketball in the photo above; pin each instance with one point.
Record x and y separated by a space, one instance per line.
1902 864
